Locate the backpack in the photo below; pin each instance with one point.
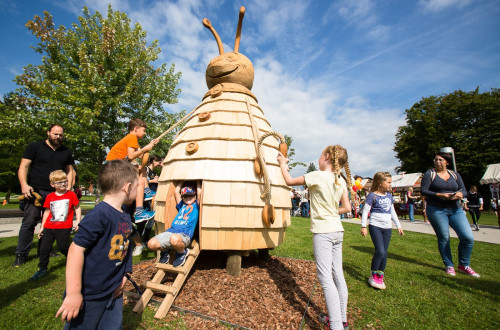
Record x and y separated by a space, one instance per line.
433 174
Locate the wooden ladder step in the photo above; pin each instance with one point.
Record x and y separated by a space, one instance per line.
161 287
171 268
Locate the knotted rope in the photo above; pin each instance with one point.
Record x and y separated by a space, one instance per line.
267 183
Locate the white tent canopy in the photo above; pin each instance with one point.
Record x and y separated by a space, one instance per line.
405 180
492 174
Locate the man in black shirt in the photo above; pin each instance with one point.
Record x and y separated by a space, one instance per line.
39 160
474 205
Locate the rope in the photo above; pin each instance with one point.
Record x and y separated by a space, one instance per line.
308 302
254 126
177 123
267 183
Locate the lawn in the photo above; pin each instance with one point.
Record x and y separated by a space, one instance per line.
418 296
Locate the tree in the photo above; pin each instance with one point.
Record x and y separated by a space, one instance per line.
466 121
18 126
311 168
291 153
94 78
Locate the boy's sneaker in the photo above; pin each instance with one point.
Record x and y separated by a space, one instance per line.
450 271
39 274
373 281
180 258
138 250
143 215
467 270
164 256
148 194
477 228
20 260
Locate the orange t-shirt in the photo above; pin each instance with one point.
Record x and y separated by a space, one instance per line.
120 149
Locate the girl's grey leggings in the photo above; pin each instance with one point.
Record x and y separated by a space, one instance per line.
328 256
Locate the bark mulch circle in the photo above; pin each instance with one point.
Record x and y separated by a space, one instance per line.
269 294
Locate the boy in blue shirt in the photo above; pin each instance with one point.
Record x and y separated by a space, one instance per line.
100 254
181 232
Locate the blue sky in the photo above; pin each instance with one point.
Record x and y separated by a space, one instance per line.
326 72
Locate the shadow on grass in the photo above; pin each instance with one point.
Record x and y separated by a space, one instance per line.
131 320
490 289
392 255
18 290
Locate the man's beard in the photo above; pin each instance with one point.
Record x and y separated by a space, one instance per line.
55 142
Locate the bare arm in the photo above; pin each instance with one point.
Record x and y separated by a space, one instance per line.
133 153
70 171
78 213
298 181
22 174
74 299
177 192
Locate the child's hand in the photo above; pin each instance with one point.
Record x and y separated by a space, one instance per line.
70 307
281 159
76 227
40 232
364 231
119 290
401 232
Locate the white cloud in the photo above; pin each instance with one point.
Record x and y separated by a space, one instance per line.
438 5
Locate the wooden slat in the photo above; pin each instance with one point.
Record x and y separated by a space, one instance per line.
161 287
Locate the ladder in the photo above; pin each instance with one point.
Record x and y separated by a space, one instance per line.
171 291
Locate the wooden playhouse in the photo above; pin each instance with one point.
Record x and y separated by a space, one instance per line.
228 149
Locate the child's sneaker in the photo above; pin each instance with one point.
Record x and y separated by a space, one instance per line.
164 256
180 258
450 271
380 281
138 250
148 194
39 274
143 215
467 270
324 320
373 281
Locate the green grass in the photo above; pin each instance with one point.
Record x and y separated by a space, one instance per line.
418 296
487 218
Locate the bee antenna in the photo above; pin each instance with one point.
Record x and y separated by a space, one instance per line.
209 26
238 30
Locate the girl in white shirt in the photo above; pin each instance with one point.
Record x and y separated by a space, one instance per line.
326 189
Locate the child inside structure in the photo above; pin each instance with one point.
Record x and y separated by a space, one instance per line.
179 235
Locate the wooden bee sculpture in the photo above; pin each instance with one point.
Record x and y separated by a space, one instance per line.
224 148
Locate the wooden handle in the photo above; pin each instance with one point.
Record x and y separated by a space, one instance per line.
257 168
268 215
283 149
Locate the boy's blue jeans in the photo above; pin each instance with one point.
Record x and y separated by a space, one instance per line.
103 313
441 219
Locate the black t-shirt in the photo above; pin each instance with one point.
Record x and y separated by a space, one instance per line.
151 175
45 160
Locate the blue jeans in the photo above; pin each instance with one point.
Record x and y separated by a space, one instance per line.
381 237
411 212
304 208
443 218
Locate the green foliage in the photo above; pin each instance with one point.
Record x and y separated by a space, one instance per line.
291 153
466 121
311 168
94 78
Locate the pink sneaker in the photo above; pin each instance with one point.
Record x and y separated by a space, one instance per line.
381 281
373 281
450 270
467 270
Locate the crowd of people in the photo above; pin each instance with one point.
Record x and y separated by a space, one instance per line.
100 254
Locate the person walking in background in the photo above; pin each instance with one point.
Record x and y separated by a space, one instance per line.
411 204
380 205
304 202
327 189
474 205
38 161
444 189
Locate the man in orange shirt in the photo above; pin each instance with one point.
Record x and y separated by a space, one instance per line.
128 148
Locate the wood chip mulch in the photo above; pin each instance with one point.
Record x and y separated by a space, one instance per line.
271 293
